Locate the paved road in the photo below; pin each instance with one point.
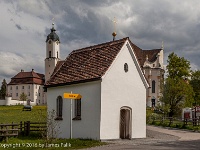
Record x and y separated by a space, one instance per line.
158 138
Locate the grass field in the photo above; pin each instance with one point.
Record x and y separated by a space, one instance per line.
15 114
33 143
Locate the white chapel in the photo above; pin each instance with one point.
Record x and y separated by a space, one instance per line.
115 80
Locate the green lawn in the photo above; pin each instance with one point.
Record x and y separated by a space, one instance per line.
15 114
33 143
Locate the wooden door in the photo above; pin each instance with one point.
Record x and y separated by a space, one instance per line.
125 128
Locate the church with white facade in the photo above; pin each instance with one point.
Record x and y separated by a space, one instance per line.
116 80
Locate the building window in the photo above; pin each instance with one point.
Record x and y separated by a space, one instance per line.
11 88
49 54
22 87
59 104
16 94
153 65
29 87
153 86
153 102
35 93
126 67
57 54
39 94
36 86
28 93
16 87
77 109
10 94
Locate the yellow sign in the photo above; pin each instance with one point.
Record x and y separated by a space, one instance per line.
72 96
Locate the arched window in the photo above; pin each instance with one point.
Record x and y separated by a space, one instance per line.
49 54
153 86
77 109
59 108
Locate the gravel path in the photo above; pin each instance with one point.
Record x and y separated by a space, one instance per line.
184 135
157 138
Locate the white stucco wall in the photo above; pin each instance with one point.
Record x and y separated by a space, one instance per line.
120 88
54 47
51 62
9 101
89 125
32 89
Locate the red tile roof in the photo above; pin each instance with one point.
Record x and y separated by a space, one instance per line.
27 78
91 63
86 64
141 54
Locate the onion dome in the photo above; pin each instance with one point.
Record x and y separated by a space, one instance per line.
53 36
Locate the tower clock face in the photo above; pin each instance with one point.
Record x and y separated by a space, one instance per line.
49 41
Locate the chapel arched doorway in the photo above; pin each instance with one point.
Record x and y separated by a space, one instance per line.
125 123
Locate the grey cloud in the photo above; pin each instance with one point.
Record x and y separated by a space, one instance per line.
18 27
84 23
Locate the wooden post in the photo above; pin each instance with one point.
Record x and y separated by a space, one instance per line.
186 121
20 126
6 134
24 127
12 128
170 121
28 128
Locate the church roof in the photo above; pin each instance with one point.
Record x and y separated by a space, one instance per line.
141 54
27 78
86 64
53 36
91 63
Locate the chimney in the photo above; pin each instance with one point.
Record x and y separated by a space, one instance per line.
32 70
22 70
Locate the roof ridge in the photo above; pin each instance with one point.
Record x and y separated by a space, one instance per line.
99 45
99 51
30 75
152 49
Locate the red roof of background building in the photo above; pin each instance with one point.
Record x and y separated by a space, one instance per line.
141 54
27 78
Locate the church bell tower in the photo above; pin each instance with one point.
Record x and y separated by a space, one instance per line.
52 53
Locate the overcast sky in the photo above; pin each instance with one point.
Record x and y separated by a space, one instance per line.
79 23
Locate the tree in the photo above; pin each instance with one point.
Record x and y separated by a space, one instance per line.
195 83
178 67
3 89
177 92
23 97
